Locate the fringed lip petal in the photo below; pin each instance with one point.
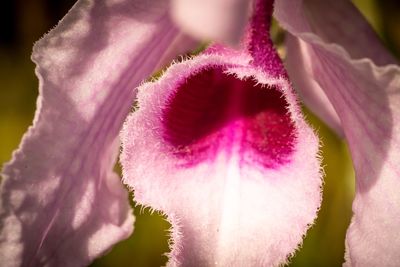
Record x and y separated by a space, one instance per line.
221 20
364 89
219 146
61 204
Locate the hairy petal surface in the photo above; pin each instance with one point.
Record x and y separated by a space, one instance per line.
61 204
219 146
355 73
222 20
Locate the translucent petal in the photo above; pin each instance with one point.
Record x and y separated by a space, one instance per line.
366 96
336 22
309 89
61 204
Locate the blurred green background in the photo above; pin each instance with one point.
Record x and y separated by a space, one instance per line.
25 21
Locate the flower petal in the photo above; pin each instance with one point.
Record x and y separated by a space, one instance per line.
222 20
366 97
309 90
61 202
335 22
222 154
350 31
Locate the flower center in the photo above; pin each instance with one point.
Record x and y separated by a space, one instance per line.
213 112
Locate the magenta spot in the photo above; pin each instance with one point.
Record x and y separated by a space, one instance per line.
211 111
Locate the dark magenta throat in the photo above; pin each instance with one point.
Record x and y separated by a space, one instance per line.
212 112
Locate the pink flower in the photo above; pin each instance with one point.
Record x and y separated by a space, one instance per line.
218 143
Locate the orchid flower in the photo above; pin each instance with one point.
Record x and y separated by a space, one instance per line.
218 143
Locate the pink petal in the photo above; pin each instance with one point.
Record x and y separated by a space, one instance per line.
309 89
351 31
335 22
220 147
366 95
61 203
221 20
183 44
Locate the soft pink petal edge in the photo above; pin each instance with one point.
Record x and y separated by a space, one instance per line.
272 210
336 22
61 203
308 88
367 99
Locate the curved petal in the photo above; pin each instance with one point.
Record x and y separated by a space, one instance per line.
366 97
309 89
219 146
222 20
182 45
335 22
350 31
61 203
